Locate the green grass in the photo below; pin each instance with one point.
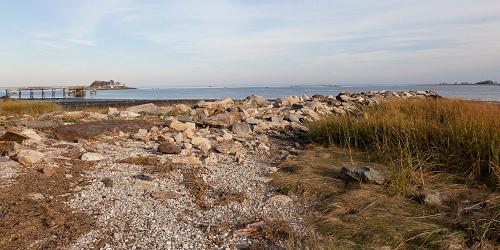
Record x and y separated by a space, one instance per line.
417 136
27 108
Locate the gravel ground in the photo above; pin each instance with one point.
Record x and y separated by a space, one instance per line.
129 217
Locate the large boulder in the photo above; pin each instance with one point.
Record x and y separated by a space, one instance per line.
255 101
28 157
288 100
144 108
220 105
223 120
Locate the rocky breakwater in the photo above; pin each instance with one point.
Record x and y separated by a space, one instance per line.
192 177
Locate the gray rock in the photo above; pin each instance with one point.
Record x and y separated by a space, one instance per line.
252 121
362 174
241 129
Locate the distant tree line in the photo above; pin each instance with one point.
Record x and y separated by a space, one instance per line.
487 82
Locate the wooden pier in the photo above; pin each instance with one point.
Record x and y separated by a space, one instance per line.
49 92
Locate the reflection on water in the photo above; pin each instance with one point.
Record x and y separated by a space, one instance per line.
471 92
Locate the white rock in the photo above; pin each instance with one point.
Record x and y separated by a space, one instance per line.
91 157
128 114
28 156
113 111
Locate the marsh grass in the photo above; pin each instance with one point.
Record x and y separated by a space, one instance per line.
416 136
370 216
27 107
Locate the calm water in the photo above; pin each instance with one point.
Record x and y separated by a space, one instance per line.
471 92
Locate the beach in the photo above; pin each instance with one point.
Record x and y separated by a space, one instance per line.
193 174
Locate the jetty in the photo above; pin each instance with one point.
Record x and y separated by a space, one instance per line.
49 91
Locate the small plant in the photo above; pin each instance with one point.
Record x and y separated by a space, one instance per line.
284 189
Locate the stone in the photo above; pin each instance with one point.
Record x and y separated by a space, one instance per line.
13 135
434 199
28 156
179 137
223 120
226 135
169 148
8 163
143 108
164 195
241 129
177 125
201 143
36 196
189 160
113 111
31 134
363 174
180 109
142 135
49 171
75 152
287 101
339 111
344 98
255 101
293 118
91 157
128 114
252 121
107 182
97 116
9 148
224 147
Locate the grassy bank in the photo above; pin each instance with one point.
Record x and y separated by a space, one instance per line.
418 136
27 107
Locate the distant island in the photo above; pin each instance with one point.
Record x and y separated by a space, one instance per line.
107 85
488 82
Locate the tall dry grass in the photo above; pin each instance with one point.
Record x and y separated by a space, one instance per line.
19 107
415 136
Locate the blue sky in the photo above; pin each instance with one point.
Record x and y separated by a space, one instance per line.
252 42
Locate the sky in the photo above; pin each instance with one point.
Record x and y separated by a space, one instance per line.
248 42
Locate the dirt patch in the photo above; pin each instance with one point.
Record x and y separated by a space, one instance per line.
90 130
33 213
197 187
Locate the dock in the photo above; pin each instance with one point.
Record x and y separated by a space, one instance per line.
49 91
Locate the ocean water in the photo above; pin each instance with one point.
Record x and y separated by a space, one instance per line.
470 92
